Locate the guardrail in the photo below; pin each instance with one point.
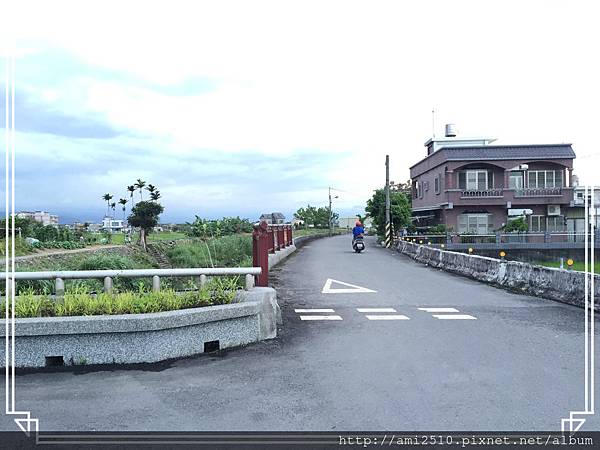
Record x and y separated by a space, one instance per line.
108 275
530 238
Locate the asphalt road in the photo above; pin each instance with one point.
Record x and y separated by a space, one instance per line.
518 365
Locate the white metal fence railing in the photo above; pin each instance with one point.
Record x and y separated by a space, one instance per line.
155 274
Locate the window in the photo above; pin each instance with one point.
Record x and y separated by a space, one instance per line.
537 223
474 180
541 179
475 223
555 224
436 184
515 180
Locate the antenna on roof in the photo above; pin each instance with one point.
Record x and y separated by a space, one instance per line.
433 121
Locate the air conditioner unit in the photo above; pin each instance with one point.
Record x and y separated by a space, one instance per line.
553 210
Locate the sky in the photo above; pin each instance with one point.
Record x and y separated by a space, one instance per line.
241 108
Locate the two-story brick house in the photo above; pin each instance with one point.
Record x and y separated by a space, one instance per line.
472 186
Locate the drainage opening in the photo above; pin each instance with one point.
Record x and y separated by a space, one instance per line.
53 361
211 346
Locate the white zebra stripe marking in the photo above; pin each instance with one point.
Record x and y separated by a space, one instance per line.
375 310
334 317
454 317
439 310
388 317
323 310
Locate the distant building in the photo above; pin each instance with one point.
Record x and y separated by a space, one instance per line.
576 214
350 222
297 222
95 227
112 225
273 218
42 217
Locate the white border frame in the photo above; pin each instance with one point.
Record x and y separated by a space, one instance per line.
25 424
575 423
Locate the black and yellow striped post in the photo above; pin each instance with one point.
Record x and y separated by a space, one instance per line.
388 235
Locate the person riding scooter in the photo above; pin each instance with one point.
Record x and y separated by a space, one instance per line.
357 232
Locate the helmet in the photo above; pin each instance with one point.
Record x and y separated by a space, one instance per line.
358 224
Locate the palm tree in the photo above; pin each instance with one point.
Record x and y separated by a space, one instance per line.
112 206
107 198
151 188
139 184
123 203
155 195
131 190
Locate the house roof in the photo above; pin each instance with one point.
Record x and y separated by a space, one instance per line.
275 215
501 152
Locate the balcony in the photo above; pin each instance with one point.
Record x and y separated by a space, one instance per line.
541 192
484 193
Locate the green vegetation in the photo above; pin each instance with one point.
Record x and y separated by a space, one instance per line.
518 225
399 209
317 217
144 215
577 265
79 302
316 231
227 251
205 228
21 247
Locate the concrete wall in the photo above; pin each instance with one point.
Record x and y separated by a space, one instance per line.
145 338
554 284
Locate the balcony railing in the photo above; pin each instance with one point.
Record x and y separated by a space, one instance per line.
484 193
538 192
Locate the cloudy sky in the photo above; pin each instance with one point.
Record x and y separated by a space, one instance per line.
238 108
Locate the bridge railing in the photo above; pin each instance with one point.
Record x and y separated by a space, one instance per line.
60 276
267 239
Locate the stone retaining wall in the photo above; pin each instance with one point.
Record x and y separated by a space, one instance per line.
145 338
555 284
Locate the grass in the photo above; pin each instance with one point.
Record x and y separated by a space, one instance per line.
21 247
577 265
79 302
119 238
99 261
227 251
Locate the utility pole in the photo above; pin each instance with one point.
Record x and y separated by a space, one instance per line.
330 215
388 224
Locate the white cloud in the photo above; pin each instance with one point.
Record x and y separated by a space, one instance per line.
336 77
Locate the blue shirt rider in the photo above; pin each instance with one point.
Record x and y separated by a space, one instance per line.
357 231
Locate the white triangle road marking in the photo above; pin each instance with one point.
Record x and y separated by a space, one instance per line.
352 288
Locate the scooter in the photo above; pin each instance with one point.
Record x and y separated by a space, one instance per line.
358 244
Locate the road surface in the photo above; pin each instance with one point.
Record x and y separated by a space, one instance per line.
505 362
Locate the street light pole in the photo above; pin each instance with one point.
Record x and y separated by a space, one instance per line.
330 214
388 225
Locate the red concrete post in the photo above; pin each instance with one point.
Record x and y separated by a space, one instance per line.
280 243
272 240
260 252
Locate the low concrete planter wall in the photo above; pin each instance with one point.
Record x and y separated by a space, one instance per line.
555 284
145 338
